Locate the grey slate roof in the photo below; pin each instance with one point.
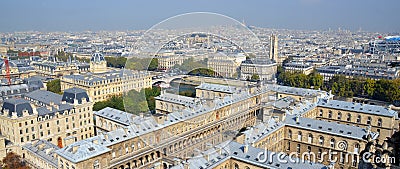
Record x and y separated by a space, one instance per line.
82 150
44 96
216 87
116 115
178 99
75 93
329 127
358 107
299 91
44 150
17 105
233 150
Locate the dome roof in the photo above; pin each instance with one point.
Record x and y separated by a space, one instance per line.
97 57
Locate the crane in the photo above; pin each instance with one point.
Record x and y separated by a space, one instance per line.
6 63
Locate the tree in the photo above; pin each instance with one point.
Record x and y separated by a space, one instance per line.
369 87
54 86
153 64
190 65
117 62
255 77
14 161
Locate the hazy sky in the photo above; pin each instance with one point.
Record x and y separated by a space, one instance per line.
81 15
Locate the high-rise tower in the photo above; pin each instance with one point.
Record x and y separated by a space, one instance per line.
273 48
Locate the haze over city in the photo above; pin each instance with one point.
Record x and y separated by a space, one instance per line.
76 15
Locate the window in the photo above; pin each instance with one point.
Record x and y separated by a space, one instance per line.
348 117
339 116
380 122
310 138
290 134
319 155
359 119
356 148
332 143
96 164
298 148
113 154
321 140
330 114
236 166
369 120
321 113
299 135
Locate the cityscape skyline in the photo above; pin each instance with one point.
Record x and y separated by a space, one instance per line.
374 16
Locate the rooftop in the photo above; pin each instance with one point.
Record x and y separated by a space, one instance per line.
116 115
329 127
44 150
358 107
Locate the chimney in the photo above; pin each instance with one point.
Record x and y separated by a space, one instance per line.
83 100
126 130
297 118
95 141
245 148
75 148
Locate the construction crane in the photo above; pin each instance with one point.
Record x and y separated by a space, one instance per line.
7 64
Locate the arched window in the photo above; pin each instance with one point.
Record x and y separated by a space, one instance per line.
310 138
321 140
236 166
332 143
96 164
348 117
369 120
290 134
321 113
330 114
380 122
359 119
299 135
298 148
339 116
356 148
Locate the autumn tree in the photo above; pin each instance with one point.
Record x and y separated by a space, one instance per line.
14 161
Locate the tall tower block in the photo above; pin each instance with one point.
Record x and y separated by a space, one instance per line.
273 48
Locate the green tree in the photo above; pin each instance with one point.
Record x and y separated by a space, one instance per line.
190 65
54 86
153 64
369 87
255 77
